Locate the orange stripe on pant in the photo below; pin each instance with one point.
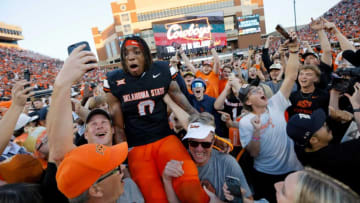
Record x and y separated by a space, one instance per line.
147 162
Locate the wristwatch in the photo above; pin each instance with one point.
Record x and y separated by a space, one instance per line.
356 110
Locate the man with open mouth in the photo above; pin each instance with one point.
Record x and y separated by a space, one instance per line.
135 96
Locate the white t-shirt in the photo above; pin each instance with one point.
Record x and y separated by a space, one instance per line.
277 155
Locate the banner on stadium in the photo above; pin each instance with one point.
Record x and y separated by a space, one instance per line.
248 24
193 33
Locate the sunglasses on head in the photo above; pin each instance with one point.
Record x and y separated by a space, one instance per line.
204 145
115 170
197 84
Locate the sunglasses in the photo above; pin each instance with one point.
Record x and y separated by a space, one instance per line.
43 141
197 84
117 169
255 90
204 145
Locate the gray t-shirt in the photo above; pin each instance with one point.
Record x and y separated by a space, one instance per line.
277 155
131 192
275 87
219 166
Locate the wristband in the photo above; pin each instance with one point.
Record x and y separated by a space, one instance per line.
210 47
356 110
294 52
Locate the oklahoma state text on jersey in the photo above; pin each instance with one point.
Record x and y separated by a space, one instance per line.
144 111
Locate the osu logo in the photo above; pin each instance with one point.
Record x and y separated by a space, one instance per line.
100 149
194 126
304 104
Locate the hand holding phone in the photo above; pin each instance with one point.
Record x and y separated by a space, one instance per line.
87 48
234 186
283 32
27 77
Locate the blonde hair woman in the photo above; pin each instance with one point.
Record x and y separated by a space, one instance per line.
312 186
308 186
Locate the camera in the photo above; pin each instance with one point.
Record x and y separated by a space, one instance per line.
344 79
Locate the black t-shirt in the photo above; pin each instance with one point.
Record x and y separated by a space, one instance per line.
49 188
232 106
340 161
307 103
144 111
325 77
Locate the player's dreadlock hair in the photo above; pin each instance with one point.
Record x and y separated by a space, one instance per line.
145 49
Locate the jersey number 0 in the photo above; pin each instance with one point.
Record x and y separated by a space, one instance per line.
143 104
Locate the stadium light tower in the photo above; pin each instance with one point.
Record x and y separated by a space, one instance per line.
295 15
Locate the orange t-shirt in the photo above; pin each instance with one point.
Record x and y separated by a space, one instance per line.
234 135
212 83
222 84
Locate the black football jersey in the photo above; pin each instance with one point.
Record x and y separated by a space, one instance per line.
144 111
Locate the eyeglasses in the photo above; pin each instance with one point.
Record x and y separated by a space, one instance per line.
255 90
117 169
204 145
43 141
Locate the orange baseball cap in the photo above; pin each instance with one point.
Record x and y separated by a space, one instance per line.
21 168
84 165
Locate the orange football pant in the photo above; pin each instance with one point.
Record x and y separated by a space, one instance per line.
147 162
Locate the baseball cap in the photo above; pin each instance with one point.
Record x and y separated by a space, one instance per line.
207 63
352 57
84 165
35 137
188 73
301 127
23 120
96 112
21 168
198 130
308 54
243 92
275 66
196 82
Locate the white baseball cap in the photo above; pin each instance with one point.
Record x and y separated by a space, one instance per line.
23 120
198 130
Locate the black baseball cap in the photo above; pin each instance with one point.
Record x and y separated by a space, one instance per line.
301 127
243 92
306 54
96 112
352 57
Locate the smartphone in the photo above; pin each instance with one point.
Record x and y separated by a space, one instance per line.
251 47
283 32
176 45
234 185
27 76
87 48
73 46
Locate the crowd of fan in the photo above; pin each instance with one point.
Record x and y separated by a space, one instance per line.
273 114
345 15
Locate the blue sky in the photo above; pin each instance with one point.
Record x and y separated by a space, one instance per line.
50 26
